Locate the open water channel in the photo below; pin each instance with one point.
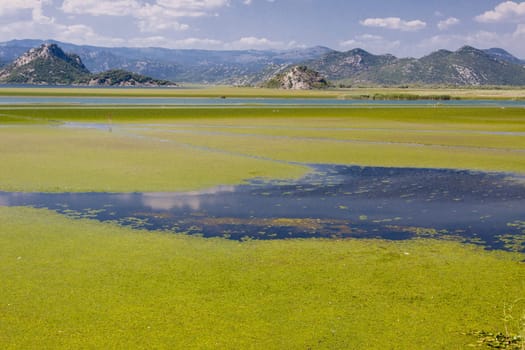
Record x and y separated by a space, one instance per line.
330 202
197 101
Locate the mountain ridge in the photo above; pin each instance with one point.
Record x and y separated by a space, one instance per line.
466 66
463 67
233 67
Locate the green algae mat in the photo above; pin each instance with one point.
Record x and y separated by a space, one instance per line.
57 149
81 284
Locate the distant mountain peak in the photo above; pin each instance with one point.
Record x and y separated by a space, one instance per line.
46 64
358 51
49 51
469 50
442 52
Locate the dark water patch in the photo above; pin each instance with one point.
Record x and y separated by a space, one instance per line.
331 202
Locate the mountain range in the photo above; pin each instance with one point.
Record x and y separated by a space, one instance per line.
191 66
465 67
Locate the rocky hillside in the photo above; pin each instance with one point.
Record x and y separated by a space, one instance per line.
297 78
50 65
353 63
47 64
467 66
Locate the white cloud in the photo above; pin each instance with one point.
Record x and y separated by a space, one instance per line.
447 23
161 15
140 8
188 43
12 6
480 39
374 43
252 42
244 43
100 8
77 34
25 9
249 2
369 37
394 23
154 18
83 35
348 43
505 11
191 8
197 42
520 32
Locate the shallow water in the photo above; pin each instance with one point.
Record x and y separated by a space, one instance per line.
331 202
198 101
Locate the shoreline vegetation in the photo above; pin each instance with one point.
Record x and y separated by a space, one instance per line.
365 93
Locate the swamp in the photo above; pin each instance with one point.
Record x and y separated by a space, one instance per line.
275 225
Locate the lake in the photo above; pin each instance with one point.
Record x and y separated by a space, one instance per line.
332 201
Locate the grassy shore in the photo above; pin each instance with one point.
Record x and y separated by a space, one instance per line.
80 284
246 92
50 159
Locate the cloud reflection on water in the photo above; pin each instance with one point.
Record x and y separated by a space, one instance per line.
191 200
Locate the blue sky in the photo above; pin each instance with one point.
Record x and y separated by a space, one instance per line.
403 28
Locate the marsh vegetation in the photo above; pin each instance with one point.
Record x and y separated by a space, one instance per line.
70 282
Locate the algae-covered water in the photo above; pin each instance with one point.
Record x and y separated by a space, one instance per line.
331 202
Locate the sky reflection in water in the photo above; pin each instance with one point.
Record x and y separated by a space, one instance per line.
331 202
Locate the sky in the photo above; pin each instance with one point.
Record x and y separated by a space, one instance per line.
400 27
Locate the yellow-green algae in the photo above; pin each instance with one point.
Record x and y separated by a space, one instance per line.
79 284
41 158
188 148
